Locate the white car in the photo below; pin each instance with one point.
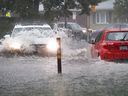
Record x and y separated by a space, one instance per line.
30 39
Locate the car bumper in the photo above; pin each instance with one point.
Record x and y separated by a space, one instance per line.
36 50
114 55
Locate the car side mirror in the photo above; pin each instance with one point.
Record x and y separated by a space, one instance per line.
91 41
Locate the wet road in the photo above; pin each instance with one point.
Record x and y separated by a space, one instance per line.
82 76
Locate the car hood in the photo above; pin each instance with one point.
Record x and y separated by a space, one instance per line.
42 40
34 40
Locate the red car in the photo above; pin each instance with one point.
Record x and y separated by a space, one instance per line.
110 44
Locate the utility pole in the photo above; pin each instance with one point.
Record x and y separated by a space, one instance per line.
65 21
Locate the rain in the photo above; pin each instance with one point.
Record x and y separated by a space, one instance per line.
81 75
24 71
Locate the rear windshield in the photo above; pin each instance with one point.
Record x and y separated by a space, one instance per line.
74 26
117 36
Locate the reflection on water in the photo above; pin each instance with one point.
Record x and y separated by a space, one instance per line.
81 75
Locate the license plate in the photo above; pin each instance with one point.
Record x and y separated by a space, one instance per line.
123 47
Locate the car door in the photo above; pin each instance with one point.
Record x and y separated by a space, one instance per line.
91 41
97 45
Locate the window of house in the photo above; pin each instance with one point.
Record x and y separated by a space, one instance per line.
102 17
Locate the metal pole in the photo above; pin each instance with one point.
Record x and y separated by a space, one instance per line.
59 65
65 21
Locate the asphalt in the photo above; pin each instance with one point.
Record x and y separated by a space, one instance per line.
81 75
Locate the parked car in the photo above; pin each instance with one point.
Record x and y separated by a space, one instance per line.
31 39
117 25
74 30
110 44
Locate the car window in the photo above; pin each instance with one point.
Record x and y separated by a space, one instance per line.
74 26
35 31
93 36
99 36
61 25
68 26
117 36
118 25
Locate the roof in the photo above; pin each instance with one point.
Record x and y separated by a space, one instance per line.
117 25
115 29
26 26
106 5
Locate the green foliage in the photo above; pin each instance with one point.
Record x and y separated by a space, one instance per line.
54 9
6 25
121 10
24 8
6 4
27 8
60 8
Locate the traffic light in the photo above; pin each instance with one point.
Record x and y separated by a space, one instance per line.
93 8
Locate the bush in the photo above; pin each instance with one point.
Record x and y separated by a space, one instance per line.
6 25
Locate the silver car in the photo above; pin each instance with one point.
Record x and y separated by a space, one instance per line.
31 39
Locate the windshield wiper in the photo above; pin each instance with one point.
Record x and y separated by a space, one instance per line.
123 39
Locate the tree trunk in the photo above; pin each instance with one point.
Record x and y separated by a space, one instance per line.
36 5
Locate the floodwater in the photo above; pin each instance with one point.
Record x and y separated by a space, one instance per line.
81 75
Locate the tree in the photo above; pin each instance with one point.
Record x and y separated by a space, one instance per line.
25 8
6 5
60 8
121 10
54 9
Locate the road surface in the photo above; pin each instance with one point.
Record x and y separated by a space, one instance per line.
82 76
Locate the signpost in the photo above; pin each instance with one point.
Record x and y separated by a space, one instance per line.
59 65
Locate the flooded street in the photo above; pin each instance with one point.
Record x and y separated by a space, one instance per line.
89 38
81 75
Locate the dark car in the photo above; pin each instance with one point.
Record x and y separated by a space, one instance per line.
75 30
116 25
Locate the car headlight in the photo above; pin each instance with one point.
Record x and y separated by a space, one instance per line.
15 45
52 45
84 31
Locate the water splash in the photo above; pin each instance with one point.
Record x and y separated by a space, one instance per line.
70 47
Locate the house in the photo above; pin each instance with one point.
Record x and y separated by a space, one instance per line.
96 20
104 15
80 19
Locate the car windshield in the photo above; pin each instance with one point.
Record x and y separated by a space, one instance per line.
117 36
33 31
75 26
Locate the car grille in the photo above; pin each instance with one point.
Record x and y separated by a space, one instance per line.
39 45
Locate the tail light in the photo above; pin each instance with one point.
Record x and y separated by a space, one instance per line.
108 45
